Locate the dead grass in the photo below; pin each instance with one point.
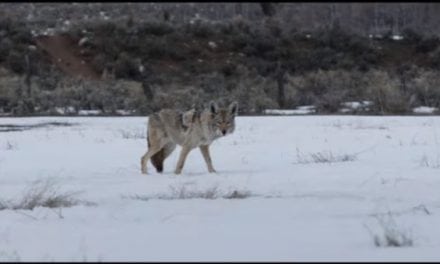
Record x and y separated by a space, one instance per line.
358 124
10 145
238 194
183 192
323 157
43 193
389 234
19 128
9 256
133 134
430 163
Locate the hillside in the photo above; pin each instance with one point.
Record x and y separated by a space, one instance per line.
263 64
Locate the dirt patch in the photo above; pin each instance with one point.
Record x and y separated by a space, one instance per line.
63 51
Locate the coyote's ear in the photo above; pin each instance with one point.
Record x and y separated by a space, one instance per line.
213 107
233 108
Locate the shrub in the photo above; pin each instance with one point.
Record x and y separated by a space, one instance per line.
425 88
6 45
384 91
411 36
324 89
434 58
175 95
427 45
252 92
155 28
201 30
16 62
125 67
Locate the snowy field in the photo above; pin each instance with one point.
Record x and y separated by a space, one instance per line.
287 188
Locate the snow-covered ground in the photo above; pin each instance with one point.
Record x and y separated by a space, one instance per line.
300 110
424 110
314 188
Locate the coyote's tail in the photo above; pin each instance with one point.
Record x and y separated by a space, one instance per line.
158 158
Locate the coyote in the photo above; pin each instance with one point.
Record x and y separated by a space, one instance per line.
189 129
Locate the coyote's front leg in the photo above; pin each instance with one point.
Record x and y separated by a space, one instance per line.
205 152
183 154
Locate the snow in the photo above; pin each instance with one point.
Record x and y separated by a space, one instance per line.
424 110
375 36
65 110
89 112
310 211
349 107
300 110
104 15
396 37
49 32
356 105
82 41
212 44
124 112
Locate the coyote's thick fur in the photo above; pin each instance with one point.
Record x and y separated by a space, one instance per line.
190 129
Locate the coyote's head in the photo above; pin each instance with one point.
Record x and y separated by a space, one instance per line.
222 121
